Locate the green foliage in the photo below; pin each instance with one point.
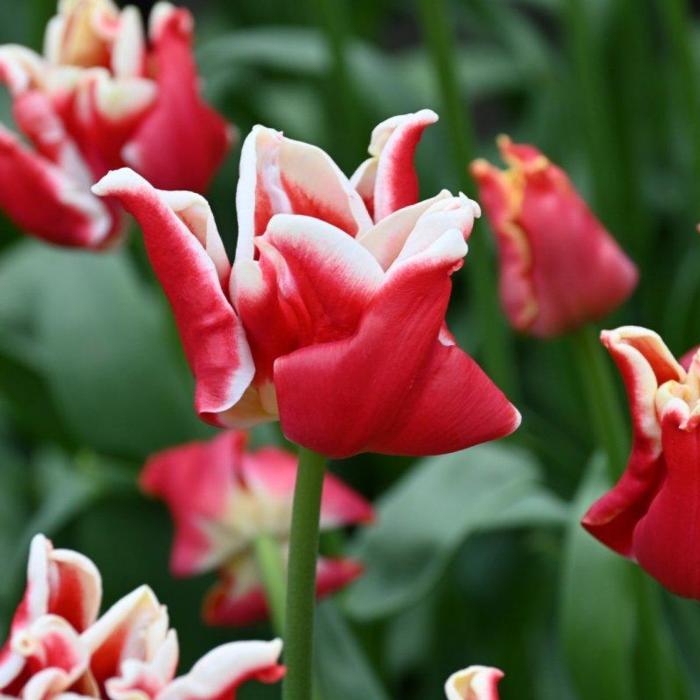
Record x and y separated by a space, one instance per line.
476 557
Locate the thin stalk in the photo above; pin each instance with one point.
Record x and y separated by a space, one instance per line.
595 110
301 577
271 569
497 350
333 19
678 28
603 404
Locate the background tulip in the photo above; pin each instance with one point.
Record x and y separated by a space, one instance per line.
222 498
559 267
649 515
57 647
326 312
100 97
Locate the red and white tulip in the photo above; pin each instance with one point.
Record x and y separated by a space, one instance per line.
559 267
58 649
103 95
222 497
331 319
649 515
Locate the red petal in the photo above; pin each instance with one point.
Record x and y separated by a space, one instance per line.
183 244
218 674
274 471
196 481
396 184
665 540
183 141
69 215
392 386
281 176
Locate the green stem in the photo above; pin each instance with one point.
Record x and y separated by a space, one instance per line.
497 350
676 21
593 106
301 580
603 404
271 569
334 20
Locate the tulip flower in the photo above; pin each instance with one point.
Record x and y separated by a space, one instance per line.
222 497
57 648
649 515
559 267
332 317
102 96
474 683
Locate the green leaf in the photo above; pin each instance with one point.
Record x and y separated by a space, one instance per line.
103 342
341 667
423 520
597 614
64 488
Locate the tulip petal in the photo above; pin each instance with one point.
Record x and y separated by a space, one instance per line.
197 481
143 680
183 244
665 539
69 215
219 673
321 273
54 656
474 683
282 176
372 390
238 599
386 238
272 472
645 363
394 143
133 628
183 141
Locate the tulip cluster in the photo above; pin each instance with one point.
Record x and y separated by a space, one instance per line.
59 649
102 96
222 498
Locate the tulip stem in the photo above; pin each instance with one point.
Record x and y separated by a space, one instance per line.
603 404
301 578
271 569
497 351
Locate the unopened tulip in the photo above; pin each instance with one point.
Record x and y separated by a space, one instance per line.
103 95
474 683
58 648
332 319
222 497
559 267
650 515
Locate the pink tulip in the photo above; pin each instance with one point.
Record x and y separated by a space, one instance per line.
102 96
332 319
58 649
474 683
560 268
222 498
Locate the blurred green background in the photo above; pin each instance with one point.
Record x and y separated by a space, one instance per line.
476 558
